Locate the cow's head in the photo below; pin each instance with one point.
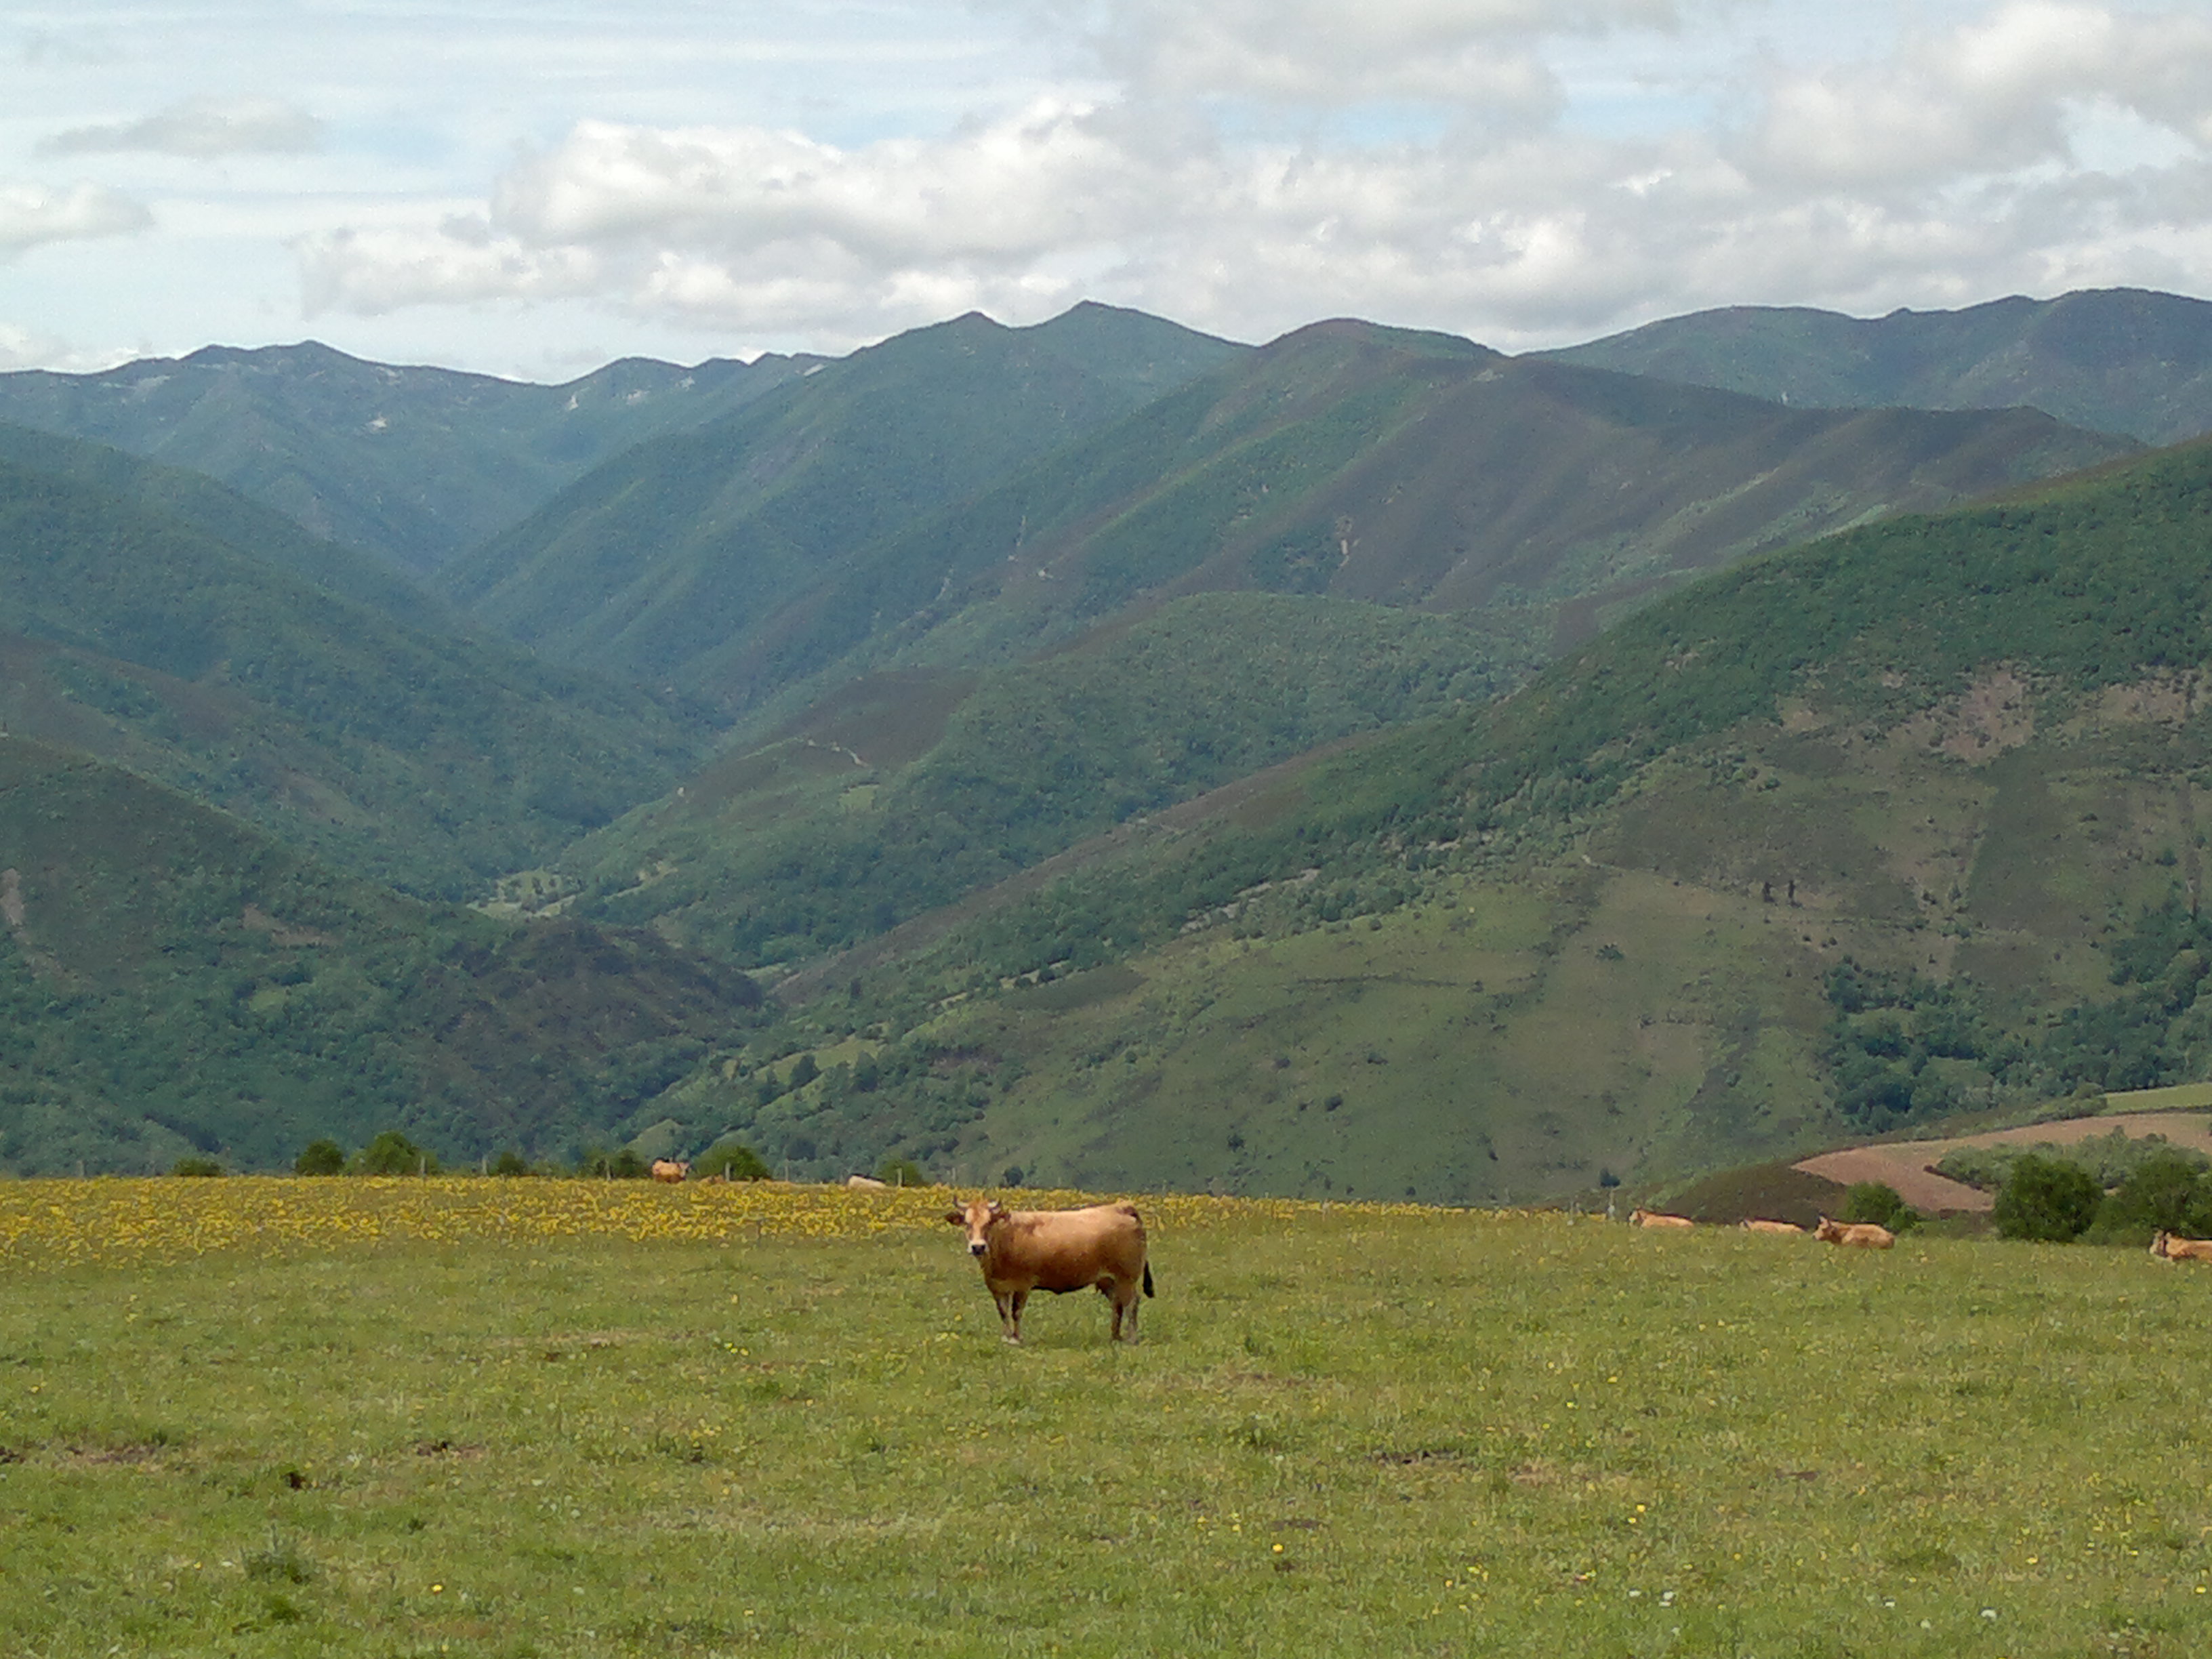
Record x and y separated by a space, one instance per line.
978 1216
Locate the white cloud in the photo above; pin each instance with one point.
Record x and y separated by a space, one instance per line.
666 177
202 129
1476 55
32 214
1993 96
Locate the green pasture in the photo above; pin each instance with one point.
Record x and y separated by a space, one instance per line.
1345 1431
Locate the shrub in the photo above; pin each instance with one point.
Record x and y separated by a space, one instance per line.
320 1157
393 1154
2047 1199
2168 1192
510 1163
732 1160
1871 1201
902 1172
196 1166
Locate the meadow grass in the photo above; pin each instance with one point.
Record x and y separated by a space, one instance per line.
509 1418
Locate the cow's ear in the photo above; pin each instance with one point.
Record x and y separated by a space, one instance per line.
958 1217
998 1210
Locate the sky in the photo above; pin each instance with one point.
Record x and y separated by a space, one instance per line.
533 189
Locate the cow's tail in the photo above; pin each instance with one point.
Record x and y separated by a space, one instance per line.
1148 1279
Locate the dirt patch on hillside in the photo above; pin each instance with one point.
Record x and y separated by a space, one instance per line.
1905 1164
1996 712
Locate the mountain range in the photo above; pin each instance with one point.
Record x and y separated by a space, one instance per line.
1129 756
2113 360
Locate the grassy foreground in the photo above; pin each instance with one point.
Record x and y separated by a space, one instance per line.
510 1418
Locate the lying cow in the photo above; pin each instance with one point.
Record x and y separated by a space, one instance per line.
2171 1247
1788 1227
1653 1219
1058 1250
671 1169
1863 1235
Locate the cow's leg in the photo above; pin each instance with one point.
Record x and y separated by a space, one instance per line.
1010 1314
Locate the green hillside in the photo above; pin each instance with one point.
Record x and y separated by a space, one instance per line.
172 982
223 515
1387 466
906 791
406 752
672 562
1891 827
412 464
2114 360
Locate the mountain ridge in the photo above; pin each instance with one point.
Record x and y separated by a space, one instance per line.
2130 361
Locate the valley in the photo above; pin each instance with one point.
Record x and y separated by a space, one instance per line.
1360 766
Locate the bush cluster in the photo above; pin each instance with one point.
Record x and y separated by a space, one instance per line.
2058 1200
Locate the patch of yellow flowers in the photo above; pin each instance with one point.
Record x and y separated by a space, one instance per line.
122 1222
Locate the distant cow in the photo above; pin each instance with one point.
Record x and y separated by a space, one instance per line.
865 1184
1653 1219
1058 1250
1788 1227
671 1169
1863 1235
2169 1247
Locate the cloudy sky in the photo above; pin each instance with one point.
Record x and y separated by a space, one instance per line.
530 189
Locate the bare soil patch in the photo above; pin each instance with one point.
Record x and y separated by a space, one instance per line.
1906 1164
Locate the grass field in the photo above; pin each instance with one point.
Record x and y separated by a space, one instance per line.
508 1418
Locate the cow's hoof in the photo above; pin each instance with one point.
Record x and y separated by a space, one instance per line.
1013 1341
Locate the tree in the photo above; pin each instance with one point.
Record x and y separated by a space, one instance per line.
2047 1199
732 1160
902 1172
393 1154
2166 1192
320 1157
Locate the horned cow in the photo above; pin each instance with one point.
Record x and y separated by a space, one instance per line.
1058 1250
1864 1235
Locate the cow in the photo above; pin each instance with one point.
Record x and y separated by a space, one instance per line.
1863 1235
1788 1227
1058 1250
861 1183
671 1169
2171 1247
1653 1219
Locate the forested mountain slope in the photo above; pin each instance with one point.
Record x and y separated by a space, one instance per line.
412 464
688 548
222 514
1345 460
1863 835
170 981
904 791
407 752
2113 360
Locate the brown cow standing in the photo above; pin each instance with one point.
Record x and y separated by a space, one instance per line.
671 1169
2172 1246
1863 1234
1058 1250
